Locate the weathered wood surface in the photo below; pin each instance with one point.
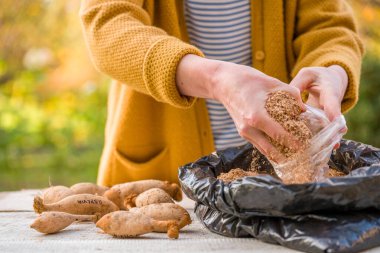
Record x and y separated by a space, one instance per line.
16 214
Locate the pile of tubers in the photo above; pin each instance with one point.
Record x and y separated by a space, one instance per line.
124 210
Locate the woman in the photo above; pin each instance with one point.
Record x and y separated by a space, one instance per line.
156 55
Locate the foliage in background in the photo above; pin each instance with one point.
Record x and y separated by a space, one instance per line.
53 103
364 120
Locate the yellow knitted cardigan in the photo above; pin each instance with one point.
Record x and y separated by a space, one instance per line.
151 129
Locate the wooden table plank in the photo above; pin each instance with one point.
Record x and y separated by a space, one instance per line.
16 236
17 201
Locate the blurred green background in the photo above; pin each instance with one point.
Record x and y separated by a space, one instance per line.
53 102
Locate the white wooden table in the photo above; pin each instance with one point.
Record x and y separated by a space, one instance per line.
16 214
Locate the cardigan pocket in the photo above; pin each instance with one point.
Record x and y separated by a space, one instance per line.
125 169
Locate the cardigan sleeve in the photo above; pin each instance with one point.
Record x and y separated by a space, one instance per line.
124 45
325 35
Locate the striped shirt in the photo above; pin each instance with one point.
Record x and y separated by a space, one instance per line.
221 29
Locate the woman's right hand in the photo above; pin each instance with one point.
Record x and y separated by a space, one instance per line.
243 91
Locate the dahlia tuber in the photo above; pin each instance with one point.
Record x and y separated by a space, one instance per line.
126 224
165 212
89 188
52 222
77 204
123 195
152 196
56 193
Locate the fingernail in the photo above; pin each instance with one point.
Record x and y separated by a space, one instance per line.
303 106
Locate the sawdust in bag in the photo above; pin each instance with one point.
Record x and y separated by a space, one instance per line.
310 163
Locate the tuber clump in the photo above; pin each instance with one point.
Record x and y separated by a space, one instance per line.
165 212
77 204
123 195
52 222
88 188
126 224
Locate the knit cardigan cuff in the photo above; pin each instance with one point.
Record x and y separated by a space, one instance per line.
159 71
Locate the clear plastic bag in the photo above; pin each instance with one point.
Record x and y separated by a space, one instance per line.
310 164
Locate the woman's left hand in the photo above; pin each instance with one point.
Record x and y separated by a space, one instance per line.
326 87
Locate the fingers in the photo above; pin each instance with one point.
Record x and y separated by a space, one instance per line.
303 79
261 142
296 93
293 91
342 131
258 132
329 100
275 131
332 110
331 104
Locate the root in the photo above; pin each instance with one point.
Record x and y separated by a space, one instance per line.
130 201
97 217
177 192
38 205
185 220
173 230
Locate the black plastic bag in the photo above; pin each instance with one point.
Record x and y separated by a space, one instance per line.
248 206
265 195
350 232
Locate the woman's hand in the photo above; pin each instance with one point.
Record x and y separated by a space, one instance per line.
326 87
243 91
